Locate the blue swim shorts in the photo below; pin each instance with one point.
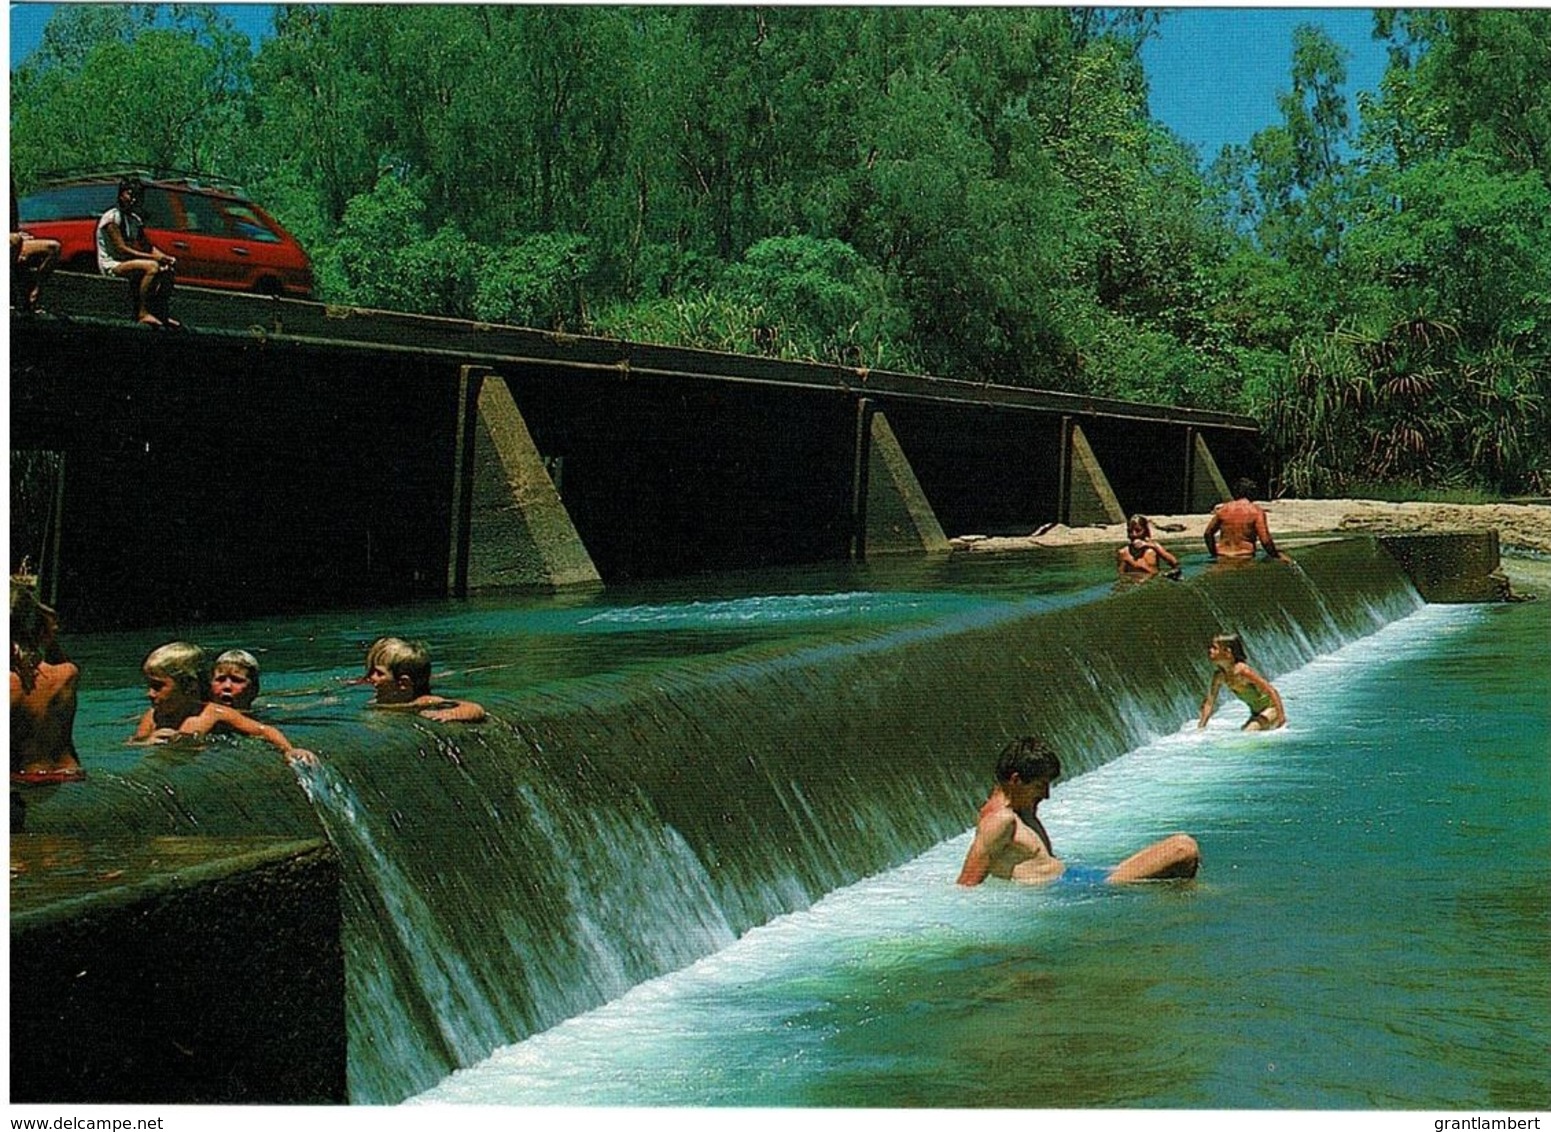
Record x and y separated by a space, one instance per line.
1084 876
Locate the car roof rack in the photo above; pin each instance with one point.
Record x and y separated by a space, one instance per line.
194 179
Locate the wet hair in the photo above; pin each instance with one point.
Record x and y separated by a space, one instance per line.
403 658
187 665
1030 758
1139 521
1234 644
33 625
239 658
373 649
1244 488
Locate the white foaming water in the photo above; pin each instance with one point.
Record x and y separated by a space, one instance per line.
786 608
712 1031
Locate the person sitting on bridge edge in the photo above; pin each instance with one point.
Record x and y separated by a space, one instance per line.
1141 555
399 672
32 259
124 251
1237 525
234 679
1229 670
1011 843
177 680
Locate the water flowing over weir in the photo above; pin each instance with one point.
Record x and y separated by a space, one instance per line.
601 831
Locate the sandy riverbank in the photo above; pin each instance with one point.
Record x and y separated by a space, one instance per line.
1522 527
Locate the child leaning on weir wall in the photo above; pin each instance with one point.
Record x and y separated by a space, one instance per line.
234 679
399 672
178 683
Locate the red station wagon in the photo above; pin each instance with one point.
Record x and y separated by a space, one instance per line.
220 239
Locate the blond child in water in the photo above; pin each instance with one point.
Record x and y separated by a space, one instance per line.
234 679
177 680
399 672
1226 652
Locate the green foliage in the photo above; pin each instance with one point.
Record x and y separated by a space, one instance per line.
818 300
975 192
87 100
709 322
1468 243
1411 403
537 281
385 258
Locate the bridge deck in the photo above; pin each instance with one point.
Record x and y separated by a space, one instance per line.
338 455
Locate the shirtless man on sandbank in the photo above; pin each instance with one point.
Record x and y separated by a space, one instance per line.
1011 843
1237 525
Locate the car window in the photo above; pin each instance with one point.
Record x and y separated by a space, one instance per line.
156 209
200 215
246 224
68 202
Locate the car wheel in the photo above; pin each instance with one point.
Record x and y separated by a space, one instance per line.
269 285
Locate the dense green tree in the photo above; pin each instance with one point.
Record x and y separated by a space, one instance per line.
107 88
980 193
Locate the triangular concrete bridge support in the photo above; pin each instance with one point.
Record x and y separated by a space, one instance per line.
1086 495
891 512
510 526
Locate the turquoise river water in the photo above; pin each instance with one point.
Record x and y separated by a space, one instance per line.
1371 929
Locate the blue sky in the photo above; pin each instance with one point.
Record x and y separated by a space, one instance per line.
1214 72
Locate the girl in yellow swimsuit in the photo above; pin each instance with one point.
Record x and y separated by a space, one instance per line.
1226 652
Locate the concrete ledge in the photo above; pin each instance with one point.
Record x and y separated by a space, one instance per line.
1451 567
176 970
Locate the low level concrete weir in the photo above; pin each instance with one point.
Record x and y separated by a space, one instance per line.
597 832
175 970
281 455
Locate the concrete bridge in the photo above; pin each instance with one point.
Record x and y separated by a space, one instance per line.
282 456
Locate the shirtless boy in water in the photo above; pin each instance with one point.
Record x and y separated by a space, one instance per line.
1142 556
177 679
1011 843
399 672
43 693
1237 525
1230 670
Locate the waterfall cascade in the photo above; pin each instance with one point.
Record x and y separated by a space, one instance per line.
597 833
